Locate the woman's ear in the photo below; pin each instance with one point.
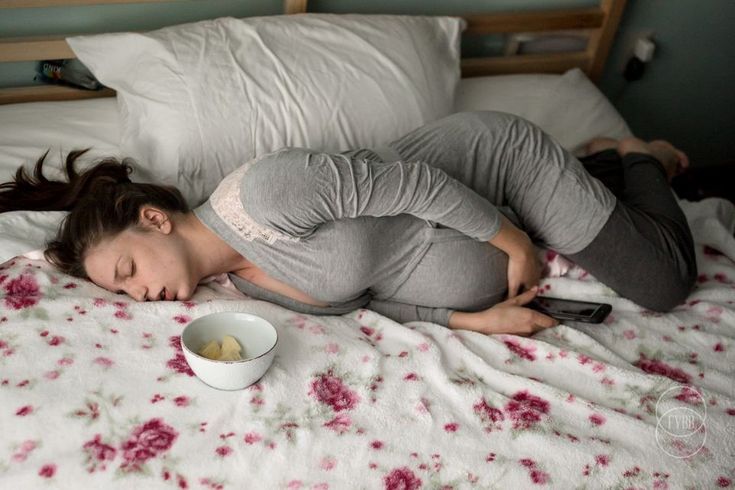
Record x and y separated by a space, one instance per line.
153 218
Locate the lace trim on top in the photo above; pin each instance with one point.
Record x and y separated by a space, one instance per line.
225 201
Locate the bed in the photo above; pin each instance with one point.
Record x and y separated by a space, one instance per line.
96 393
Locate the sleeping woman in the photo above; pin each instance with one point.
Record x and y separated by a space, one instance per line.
437 226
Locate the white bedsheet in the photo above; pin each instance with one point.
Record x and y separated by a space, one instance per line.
96 394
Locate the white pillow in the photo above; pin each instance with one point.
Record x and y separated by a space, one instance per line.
200 99
26 231
569 107
28 130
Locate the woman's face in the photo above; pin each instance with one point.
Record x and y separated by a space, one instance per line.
150 264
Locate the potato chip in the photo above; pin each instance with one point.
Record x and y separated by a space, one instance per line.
230 344
230 349
229 356
211 350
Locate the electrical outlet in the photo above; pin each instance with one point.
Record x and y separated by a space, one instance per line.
631 41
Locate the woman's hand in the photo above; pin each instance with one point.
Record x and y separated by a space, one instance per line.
506 317
524 271
524 268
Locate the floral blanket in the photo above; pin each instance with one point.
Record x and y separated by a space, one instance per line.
95 393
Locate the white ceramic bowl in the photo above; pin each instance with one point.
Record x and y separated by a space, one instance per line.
257 337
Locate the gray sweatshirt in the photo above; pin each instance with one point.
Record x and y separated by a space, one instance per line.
351 228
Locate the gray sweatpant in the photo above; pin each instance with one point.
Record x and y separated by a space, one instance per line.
615 217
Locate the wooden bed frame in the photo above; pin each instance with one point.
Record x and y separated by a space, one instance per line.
598 24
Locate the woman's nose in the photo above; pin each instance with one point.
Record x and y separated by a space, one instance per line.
138 293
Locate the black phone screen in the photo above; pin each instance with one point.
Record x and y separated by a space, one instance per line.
571 309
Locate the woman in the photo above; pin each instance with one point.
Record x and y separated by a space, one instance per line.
420 237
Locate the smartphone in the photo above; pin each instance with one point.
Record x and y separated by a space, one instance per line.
567 309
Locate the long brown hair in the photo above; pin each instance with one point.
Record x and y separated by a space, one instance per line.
102 202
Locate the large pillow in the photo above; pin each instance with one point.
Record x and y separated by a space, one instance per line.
27 130
198 100
569 107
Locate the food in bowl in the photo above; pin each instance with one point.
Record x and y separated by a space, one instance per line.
230 350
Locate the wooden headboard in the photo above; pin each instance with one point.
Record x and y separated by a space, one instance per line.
597 24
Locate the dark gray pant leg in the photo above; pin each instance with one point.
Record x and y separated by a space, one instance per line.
645 251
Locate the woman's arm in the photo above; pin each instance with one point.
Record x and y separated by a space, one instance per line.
296 190
524 269
506 317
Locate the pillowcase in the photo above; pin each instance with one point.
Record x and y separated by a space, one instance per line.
22 232
27 130
198 100
569 107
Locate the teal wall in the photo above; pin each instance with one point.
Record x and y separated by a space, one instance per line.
685 96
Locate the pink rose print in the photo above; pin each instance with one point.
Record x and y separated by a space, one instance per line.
23 411
723 482
330 390
21 292
178 362
525 409
56 340
223 451
597 419
328 463
654 366
689 395
105 362
146 442
213 484
489 415
182 401
602 459
537 476
98 453
252 438
182 319
523 352
123 314
340 424
47 470
401 479
451 427
25 449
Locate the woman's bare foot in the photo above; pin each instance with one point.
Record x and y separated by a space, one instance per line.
663 150
597 145
674 160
